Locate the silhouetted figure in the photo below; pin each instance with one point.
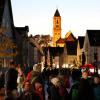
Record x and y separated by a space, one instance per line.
85 88
76 75
2 80
11 82
96 87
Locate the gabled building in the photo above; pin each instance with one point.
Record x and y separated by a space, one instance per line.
6 32
6 17
70 37
70 50
13 48
92 46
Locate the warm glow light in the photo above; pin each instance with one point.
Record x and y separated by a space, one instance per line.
91 70
53 65
66 65
63 66
98 71
57 66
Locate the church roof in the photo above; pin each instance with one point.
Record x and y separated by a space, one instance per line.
70 37
67 34
2 5
60 40
94 37
81 41
57 14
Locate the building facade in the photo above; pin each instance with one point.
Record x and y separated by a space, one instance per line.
13 36
56 27
92 46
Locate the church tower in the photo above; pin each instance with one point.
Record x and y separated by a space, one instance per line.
56 27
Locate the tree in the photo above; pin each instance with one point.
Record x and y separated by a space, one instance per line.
6 45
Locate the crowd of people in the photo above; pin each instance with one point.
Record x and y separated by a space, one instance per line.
50 84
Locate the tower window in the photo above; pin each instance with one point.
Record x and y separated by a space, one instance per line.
57 21
57 25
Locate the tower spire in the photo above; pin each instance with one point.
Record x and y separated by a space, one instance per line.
56 27
57 14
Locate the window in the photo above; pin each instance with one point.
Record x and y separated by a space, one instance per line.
57 21
57 26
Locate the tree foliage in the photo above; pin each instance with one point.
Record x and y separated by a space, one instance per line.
6 46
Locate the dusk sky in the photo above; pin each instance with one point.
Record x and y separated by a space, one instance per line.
76 15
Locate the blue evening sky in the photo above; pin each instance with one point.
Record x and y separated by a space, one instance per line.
77 15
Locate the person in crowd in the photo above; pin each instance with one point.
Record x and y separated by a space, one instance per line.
64 85
2 80
11 82
2 89
96 87
85 88
76 75
64 95
64 75
20 79
38 89
57 89
35 74
45 75
26 69
54 89
27 93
